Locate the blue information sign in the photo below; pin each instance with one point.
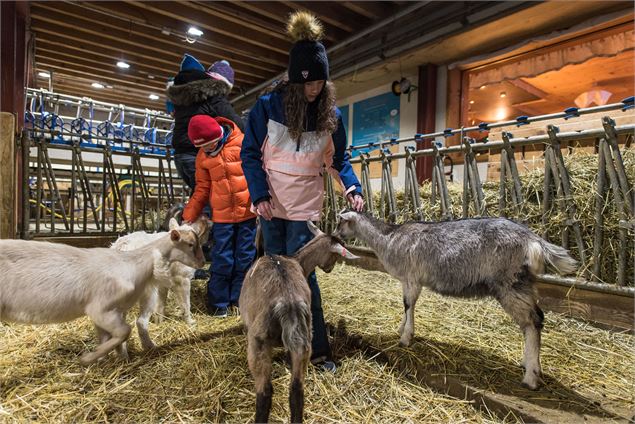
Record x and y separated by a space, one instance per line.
375 119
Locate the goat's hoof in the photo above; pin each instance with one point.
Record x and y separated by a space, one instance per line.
148 346
87 359
532 381
404 342
532 385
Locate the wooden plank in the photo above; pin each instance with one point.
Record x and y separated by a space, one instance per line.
7 175
88 241
611 311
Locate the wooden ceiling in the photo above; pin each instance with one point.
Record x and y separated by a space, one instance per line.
80 42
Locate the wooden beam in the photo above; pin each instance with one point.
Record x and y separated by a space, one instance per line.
94 43
96 73
78 87
140 68
525 86
108 69
74 51
251 59
216 26
267 27
279 12
7 175
92 76
370 10
330 14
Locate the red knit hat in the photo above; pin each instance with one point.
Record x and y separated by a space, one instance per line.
203 130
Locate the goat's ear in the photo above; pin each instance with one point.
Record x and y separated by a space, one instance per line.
178 216
175 235
347 215
173 224
315 230
338 248
201 226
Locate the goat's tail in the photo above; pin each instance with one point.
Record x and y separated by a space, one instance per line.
541 251
295 322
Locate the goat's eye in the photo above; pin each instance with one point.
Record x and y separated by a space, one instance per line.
191 244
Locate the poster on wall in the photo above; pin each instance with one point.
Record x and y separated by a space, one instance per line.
375 119
344 111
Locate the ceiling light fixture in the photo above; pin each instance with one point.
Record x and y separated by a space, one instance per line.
501 113
153 97
503 94
44 74
193 34
97 85
482 87
123 65
471 102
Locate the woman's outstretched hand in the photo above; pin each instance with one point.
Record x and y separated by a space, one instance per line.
356 201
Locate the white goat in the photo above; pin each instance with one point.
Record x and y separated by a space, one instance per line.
46 283
176 276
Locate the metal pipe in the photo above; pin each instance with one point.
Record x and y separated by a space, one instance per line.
496 145
53 97
97 122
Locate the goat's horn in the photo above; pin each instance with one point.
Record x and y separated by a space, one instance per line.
342 211
315 230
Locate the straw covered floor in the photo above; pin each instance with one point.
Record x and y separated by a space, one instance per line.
200 373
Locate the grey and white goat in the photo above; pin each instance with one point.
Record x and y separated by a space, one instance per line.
275 305
465 258
45 283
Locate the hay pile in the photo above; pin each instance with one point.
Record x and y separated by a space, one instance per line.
583 170
200 374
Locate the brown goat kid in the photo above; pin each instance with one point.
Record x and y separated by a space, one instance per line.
275 305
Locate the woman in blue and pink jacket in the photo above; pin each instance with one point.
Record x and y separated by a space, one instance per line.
293 134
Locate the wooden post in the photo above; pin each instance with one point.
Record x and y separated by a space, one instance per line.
7 175
426 113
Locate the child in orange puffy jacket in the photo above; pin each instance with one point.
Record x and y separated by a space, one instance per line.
220 181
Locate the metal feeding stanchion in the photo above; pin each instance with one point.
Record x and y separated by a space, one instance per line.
611 165
411 184
557 177
367 189
439 185
472 182
85 186
509 171
387 193
43 164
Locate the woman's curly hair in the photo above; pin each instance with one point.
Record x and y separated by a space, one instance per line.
295 105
